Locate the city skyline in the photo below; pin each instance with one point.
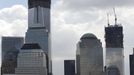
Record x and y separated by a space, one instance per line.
79 23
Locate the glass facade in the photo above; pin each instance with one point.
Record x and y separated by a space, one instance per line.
10 50
39 27
114 47
69 67
114 36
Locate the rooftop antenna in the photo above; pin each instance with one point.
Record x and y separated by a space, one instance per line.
115 16
108 19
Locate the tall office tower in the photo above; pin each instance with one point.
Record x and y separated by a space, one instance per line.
131 61
114 47
39 27
10 49
89 58
69 67
31 61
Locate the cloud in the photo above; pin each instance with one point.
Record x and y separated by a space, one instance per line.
85 4
13 21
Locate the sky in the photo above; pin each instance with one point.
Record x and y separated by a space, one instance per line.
70 19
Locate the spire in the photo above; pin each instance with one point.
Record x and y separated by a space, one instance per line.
115 16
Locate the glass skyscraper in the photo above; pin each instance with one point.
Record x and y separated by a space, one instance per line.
114 49
10 50
69 67
89 59
39 27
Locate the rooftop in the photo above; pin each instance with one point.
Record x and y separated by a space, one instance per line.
88 36
31 46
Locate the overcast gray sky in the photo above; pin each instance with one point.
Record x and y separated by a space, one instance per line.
70 19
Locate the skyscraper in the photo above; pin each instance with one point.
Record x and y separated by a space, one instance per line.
10 49
39 27
69 67
131 61
114 47
89 58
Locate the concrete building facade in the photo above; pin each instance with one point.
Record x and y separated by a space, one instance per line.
31 61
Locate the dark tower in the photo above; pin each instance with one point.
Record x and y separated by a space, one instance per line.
114 36
114 47
10 49
69 67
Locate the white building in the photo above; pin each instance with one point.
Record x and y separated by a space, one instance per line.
31 61
115 58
